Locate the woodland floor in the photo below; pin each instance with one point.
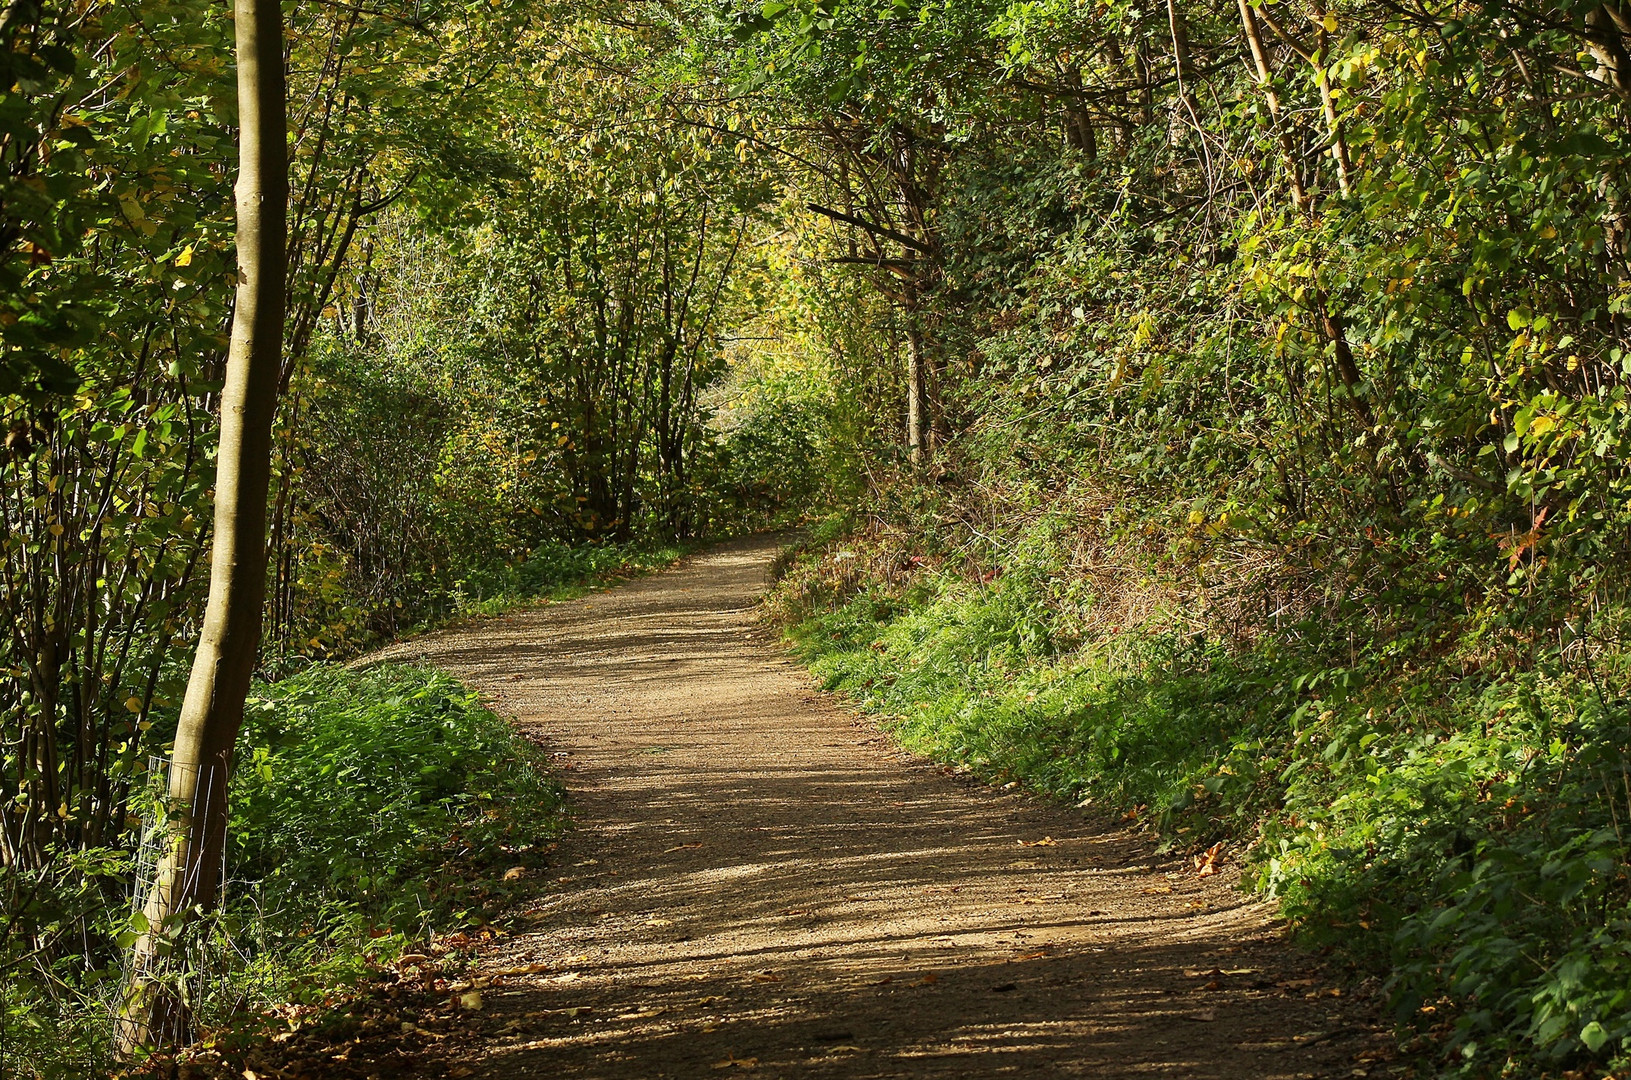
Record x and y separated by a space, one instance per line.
759 880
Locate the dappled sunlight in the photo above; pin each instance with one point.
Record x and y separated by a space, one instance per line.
759 880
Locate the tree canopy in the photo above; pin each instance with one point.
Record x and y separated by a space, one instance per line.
1265 361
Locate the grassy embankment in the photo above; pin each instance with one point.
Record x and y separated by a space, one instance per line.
1458 828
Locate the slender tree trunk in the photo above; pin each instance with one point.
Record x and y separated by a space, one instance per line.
1339 142
1271 96
1183 66
1118 99
1079 134
917 410
189 867
1332 328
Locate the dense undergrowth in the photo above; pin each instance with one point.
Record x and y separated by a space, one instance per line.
372 809
1457 827
558 573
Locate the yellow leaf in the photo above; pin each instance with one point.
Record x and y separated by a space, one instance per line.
133 703
1330 23
186 256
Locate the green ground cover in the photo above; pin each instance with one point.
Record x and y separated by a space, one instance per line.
372 809
1458 831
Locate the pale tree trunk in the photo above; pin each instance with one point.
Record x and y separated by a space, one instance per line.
189 866
1271 97
1332 328
917 406
1339 144
1320 60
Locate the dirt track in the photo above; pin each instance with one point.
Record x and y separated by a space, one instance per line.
760 882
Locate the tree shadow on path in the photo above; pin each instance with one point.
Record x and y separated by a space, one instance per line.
759 882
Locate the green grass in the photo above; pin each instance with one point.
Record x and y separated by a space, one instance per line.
370 808
1461 832
562 573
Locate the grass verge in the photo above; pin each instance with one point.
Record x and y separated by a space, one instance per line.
375 814
1459 830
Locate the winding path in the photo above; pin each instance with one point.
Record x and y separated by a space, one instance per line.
761 882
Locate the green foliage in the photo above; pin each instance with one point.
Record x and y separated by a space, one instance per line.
384 793
370 808
1463 835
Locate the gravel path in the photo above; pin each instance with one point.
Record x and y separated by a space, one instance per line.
761 882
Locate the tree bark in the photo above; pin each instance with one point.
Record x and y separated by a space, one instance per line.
1079 134
917 406
1339 143
189 867
1183 66
1271 96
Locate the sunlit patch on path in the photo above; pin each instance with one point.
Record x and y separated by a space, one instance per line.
760 884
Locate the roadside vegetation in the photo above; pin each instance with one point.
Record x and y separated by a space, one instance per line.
1221 411
376 811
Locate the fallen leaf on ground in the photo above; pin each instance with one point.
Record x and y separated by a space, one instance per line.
1155 889
1046 841
1205 1016
525 969
515 873
928 980
1207 864
659 922
471 1000
739 1063
539 1014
